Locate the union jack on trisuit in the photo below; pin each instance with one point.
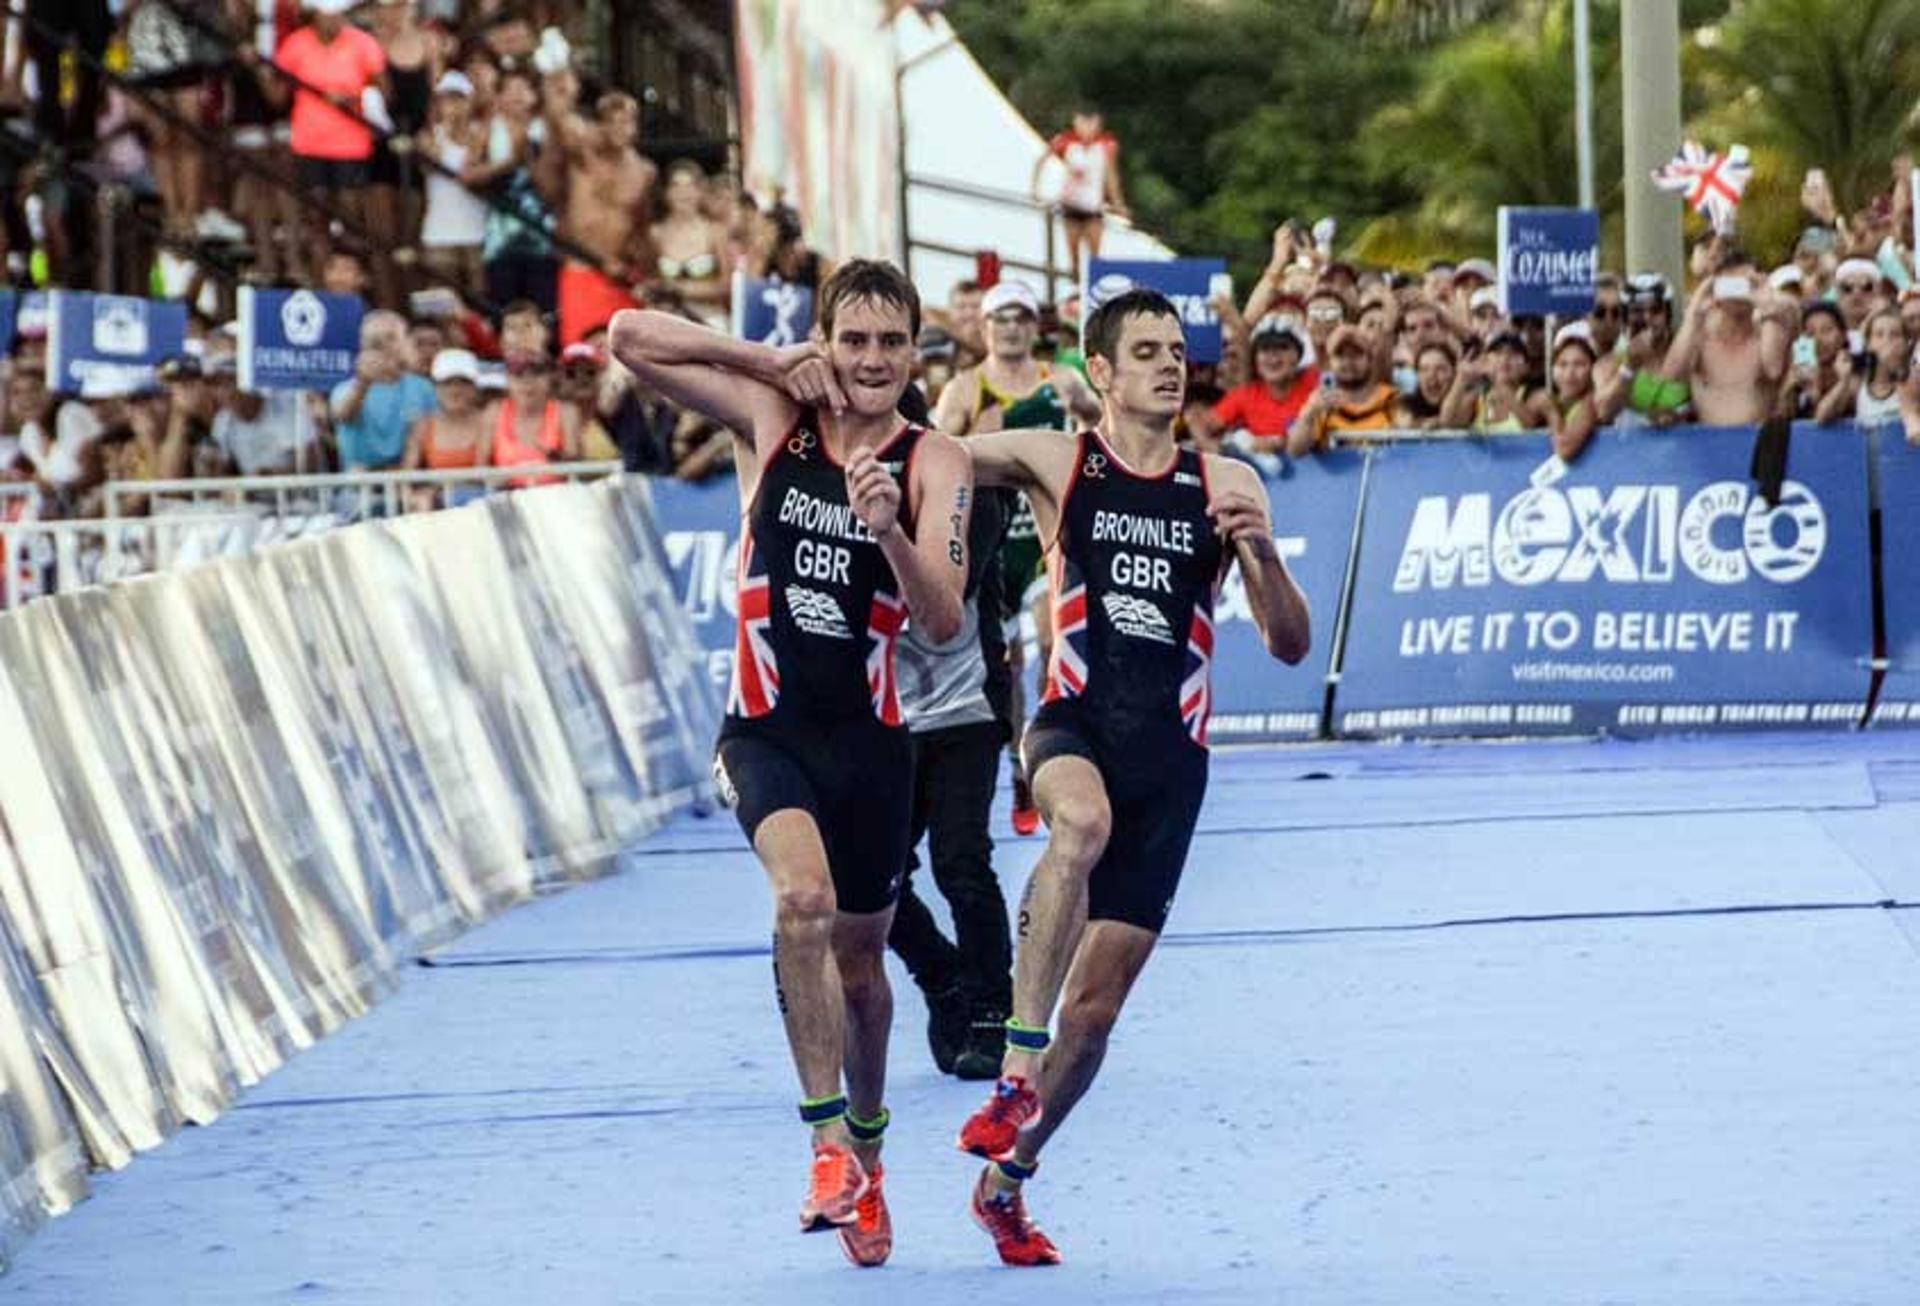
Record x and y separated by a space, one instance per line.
886 617
1196 691
1713 183
1067 672
756 674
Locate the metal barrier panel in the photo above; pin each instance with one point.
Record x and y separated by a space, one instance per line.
235 797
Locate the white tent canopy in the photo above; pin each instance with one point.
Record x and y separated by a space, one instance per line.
970 159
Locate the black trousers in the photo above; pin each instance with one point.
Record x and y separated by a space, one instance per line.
954 775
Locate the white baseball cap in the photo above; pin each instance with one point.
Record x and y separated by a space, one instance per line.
1857 267
1010 294
1787 274
456 365
1574 333
332 6
1476 267
1485 297
454 82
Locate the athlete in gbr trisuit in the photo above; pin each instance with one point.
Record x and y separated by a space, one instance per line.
1139 534
853 519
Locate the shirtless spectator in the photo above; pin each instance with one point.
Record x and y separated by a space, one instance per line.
608 214
1732 347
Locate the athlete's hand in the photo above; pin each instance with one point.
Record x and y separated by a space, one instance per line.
873 492
1238 516
807 375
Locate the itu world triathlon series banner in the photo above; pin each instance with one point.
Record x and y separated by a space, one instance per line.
1643 589
1900 578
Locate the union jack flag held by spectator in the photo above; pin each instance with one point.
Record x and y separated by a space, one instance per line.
1712 183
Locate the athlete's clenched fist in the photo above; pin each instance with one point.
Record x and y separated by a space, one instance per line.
873 492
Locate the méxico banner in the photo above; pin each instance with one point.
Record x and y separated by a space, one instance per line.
1900 578
1644 588
1254 696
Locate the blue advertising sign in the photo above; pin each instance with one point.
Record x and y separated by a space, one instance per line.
772 312
111 341
297 339
700 524
1899 578
1548 261
9 320
1645 588
1256 697
1189 282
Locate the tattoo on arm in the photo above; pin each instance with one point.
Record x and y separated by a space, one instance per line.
956 542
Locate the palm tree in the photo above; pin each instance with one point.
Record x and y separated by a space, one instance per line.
1422 20
1490 123
1816 83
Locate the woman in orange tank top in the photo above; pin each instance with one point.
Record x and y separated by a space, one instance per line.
455 434
530 426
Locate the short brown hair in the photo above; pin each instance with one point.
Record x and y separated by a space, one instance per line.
614 101
865 278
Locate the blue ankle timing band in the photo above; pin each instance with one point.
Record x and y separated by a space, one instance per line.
1026 1037
1013 1170
823 1110
868 1131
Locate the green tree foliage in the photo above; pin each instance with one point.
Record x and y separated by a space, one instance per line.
1412 121
1831 84
1232 114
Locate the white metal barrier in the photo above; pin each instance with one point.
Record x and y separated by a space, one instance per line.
352 495
45 557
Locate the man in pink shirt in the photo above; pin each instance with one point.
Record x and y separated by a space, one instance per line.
332 146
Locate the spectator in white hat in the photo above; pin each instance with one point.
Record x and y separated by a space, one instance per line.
455 433
1578 407
1856 288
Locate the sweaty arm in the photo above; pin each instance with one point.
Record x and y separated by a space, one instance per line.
1240 514
752 389
932 567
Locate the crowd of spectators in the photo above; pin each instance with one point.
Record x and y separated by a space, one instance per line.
498 208
475 186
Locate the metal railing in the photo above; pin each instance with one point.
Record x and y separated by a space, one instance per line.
64 555
350 494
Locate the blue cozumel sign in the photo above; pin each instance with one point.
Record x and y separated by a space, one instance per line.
1190 283
1548 261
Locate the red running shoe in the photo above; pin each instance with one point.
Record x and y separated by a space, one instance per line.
834 1189
1026 817
1004 1216
868 1241
992 1130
